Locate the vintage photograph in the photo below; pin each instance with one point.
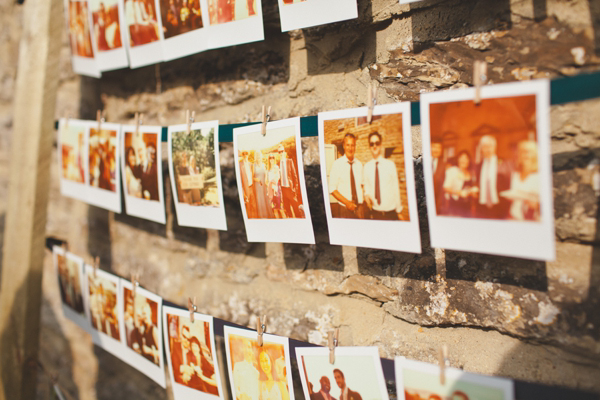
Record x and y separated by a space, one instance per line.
258 372
192 355
142 21
107 27
421 381
103 303
292 1
299 14
79 29
141 166
356 373
72 148
70 274
102 159
222 11
180 16
487 169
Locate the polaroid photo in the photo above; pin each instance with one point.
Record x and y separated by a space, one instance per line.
368 178
72 156
191 355
142 172
102 309
108 32
258 372
71 276
488 172
80 38
270 176
184 28
419 380
104 180
142 331
356 371
233 22
143 31
195 172
298 14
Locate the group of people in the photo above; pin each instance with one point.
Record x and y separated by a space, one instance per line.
267 382
102 167
371 191
324 392
271 191
103 302
180 16
221 11
68 282
79 29
493 188
142 21
141 333
141 171
191 359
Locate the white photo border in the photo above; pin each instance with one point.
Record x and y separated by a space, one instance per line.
108 60
148 53
313 13
83 65
247 30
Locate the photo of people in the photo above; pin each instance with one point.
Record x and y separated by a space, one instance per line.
487 169
356 374
103 304
180 16
258 372
142 21
102 159
141 169
79 29
192 356
107 28
222 11
421 381
72 139
69 282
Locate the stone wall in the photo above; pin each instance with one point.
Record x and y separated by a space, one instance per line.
526 320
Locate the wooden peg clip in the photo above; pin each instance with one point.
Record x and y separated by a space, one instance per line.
139 120
261 328
100 119
96 266
192 308
443 360
479 78
266 117
333 342
189 120
371 100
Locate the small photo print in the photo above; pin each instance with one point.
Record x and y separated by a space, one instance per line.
222 11
417 380
288 2
196 175
80 36
103 159
142 331
72 158
487 169
180 16
192 356
69 271
107 25
298 14
368 178
356 374
258 372
271 183
142 22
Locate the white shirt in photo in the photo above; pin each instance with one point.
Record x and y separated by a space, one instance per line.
389 188
489 175
339 178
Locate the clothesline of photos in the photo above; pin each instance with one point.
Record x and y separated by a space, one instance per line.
140 328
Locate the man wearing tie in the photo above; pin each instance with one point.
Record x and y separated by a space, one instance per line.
439 175
247 177
345 182
493 176
346 394
380 179
290 190
323 394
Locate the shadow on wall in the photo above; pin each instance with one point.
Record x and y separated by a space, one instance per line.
595 14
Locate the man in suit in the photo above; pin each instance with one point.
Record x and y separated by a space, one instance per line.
290 189
346 394
323 394
150 175
345 182
493 177
438 169
247 178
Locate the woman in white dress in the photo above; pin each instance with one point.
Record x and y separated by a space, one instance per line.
525 184
270 389
459 186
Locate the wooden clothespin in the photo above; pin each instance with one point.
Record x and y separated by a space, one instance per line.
333 342
479 78
443 360
261 328
134 284
96 266
371 101
192 308
266 116
189 120
100 119
139 117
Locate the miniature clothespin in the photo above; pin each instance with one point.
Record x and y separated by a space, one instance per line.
260 329
100 119
443 360
333 342
134 284
371 100
479 78
266 116
96 265
138 121
192 308
189 120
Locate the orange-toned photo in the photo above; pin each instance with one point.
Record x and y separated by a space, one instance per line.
365 168
221 11
141 169
485 159
292 1
258 372
107 29
142 21
72 149
103 305
180 16
79 29
69 282
102 154
140 316
191 354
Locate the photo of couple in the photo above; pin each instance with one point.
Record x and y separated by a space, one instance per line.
102 154
107 30
365 168
180 16
485 159
140 319
103 305
141 166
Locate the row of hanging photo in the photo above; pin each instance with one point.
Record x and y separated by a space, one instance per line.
486 166
133 324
